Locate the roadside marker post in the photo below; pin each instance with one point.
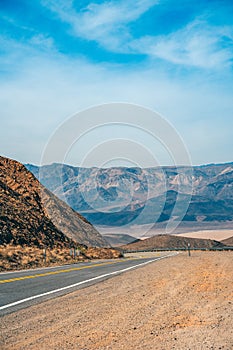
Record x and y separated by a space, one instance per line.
44 253
189 249
71 252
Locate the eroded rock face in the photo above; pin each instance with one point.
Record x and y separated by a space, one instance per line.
32 215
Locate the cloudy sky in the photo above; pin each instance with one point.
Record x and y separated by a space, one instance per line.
59 57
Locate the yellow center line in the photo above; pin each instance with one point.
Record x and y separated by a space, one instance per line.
58 272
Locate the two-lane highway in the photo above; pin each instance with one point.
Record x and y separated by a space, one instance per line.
24 288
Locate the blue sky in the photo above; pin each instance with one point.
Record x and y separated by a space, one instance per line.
60 57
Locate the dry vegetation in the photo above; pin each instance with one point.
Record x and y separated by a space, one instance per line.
17 257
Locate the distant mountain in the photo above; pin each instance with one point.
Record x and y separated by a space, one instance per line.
119 196
171 241
116 240
228 241
31 215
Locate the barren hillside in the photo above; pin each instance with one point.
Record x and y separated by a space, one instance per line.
171 241
228 241
31 215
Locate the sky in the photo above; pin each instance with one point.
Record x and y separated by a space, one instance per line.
60 57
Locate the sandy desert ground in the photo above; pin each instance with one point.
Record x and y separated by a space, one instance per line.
177 303
218 235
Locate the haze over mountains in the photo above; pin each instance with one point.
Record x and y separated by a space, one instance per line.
120 196
31 215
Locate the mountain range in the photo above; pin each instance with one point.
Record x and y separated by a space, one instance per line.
195 197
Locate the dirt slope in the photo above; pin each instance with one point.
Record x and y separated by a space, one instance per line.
31 215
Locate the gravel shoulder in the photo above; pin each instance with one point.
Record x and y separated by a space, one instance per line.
177 303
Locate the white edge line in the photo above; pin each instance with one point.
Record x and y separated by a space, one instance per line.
82 282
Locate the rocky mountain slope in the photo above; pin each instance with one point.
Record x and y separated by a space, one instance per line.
116 240
119 196
33 216
171 241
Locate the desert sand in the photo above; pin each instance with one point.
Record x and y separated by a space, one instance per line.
217 235
177 303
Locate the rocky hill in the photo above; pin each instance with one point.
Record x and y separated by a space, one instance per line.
171 241
117 196
31 215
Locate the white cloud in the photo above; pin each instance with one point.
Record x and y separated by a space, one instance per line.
41 87
46 89
198 44
16 51
105 23
43 42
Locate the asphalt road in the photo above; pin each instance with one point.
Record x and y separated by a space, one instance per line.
24 288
